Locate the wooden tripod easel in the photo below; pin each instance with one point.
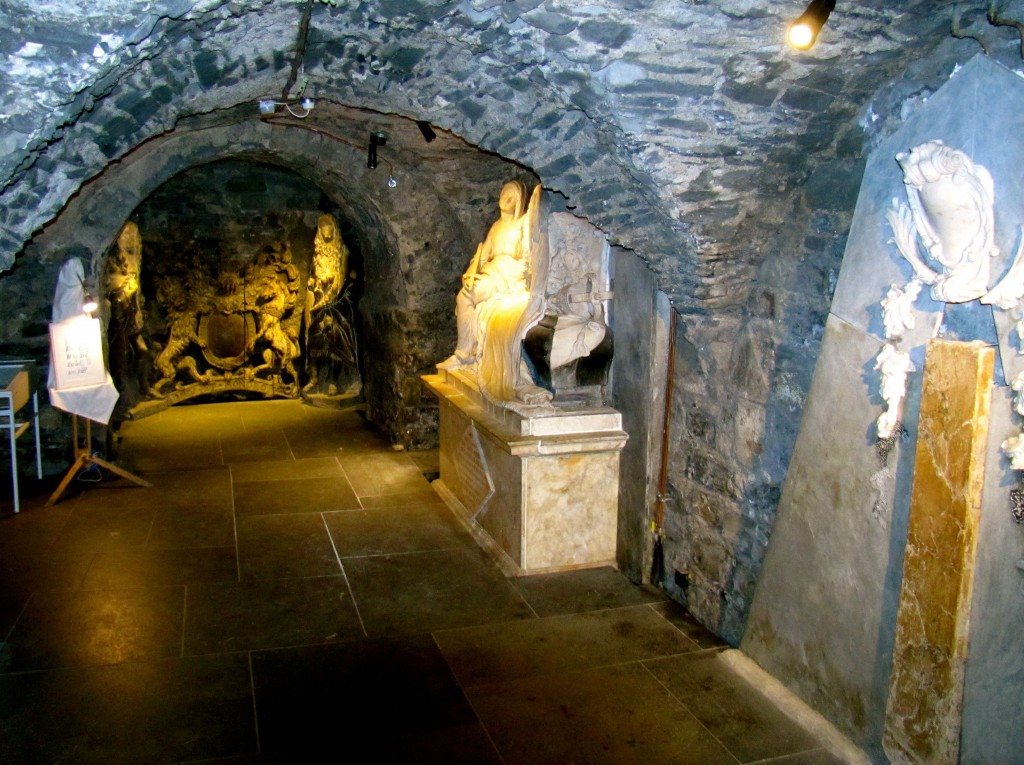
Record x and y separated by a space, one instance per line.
84 458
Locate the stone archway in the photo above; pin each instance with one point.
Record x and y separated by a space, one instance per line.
415 237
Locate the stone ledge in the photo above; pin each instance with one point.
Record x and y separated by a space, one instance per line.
562 431
794 707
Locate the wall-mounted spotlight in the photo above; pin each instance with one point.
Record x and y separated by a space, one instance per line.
804 31
427 131
376 139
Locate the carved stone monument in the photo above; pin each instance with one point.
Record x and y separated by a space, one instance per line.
238 332
263 324
127 348
331 352
528 464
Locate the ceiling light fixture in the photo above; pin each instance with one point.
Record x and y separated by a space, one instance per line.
297 107
804 31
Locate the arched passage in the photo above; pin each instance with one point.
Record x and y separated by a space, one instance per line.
415 237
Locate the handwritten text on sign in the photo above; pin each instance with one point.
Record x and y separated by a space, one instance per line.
77 352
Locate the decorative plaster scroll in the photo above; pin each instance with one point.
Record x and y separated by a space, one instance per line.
1018 393
894 366
1013 447
897 309
1008 293
951 210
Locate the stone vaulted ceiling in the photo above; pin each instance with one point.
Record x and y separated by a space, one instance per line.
671 124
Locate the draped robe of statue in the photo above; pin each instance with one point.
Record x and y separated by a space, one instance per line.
503 295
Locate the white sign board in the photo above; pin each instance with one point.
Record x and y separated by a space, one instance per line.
76 353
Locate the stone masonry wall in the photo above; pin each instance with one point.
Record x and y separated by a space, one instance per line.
743 374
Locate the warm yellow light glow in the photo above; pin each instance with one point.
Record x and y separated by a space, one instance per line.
803 32
801 36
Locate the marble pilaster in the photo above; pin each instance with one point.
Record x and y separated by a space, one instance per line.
926 691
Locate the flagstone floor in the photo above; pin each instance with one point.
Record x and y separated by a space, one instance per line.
291 590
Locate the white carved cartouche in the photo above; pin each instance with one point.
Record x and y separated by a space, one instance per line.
951 209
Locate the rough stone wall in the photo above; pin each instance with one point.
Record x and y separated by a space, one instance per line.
227 211
739 391
655 119
743 372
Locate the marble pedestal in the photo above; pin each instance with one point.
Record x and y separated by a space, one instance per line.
541 493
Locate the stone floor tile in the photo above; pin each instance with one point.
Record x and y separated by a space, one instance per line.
502 652
438 590
376 699
26 536
567 717
277 470
410 529
193 527
115 492
730 707
189 488
266 446
377 473
263 419
419 497
570 592
297 495
32 492
115 569
61 570
142 459
232 616
35 525
11 606
106 528
285 546
63 629
689 626
428 460
150 711
171 489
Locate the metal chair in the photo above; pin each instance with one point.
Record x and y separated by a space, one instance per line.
16 391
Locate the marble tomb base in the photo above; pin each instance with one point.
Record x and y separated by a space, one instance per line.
540 492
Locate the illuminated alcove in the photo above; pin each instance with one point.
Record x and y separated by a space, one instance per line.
226 308
410 225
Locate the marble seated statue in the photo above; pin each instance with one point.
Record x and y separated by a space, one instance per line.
506 292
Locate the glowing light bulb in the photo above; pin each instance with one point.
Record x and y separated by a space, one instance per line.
803 32
801 36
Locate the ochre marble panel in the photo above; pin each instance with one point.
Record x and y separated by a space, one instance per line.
930 653
570 514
